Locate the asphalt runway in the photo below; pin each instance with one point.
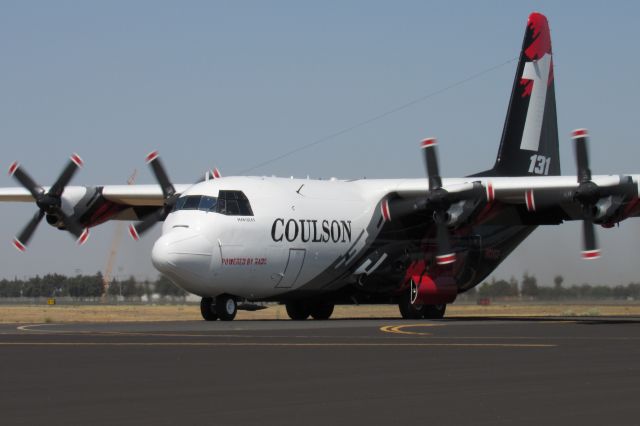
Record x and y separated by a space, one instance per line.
476 371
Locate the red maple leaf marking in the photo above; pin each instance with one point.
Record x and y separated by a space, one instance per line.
541 35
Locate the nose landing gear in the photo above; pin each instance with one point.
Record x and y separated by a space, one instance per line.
223 307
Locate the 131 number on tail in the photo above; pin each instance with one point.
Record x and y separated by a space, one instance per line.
539 164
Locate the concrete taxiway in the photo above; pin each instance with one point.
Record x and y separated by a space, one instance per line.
457 371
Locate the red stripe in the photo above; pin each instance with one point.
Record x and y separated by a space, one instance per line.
13 167
428 142
446 259
133 233
76 159
83 237
530 204
490 193
151 156
216 173
17 244
384 207
580 133
591 254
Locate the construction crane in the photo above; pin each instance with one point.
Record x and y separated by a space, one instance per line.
117 237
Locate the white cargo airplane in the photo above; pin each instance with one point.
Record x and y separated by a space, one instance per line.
311 244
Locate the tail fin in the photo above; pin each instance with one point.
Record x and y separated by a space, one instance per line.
529 144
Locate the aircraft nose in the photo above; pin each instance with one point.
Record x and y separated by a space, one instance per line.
182 254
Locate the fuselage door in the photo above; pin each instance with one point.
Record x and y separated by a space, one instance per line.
292 269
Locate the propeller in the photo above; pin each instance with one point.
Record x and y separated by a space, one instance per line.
587 194
439 201
49 203
168 194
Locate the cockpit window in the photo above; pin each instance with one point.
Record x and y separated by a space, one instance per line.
196 202
234 203
208 204
230 203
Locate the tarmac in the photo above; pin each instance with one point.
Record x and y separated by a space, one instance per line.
479 371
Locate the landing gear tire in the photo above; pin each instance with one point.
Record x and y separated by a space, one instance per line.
434 311
298 310
409 310
226 307
322 310
207 310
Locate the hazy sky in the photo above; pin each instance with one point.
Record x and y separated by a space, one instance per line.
231 84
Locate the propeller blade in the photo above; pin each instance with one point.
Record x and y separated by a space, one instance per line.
161 175
73 227
137 230
75 162
582 157
444 253
20 242
590 247
431 161
25 180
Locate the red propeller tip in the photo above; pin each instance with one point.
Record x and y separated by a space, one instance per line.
18 245
13 167
151 156
133 233
76 159
384 209
428 142
491 194
591 254
446 259
579 133
531 202
83 237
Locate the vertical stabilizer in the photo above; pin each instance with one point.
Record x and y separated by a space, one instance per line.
529 144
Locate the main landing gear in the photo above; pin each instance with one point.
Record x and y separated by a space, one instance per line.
411 311
300 310
223 307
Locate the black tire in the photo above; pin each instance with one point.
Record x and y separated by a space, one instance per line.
434 311
322 310
226 307
408 310
298 310
206 309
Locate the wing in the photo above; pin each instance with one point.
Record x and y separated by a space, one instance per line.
603 200
93 205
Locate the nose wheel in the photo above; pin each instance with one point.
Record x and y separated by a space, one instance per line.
207 309
223 307
226 307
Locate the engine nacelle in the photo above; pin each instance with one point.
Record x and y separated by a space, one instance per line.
429 291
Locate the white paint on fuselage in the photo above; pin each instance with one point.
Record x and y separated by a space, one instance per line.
245 260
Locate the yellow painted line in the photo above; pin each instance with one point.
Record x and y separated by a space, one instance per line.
274 344
400 329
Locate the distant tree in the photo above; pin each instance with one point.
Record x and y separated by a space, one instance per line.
557 282
165 287
529 285
513 283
